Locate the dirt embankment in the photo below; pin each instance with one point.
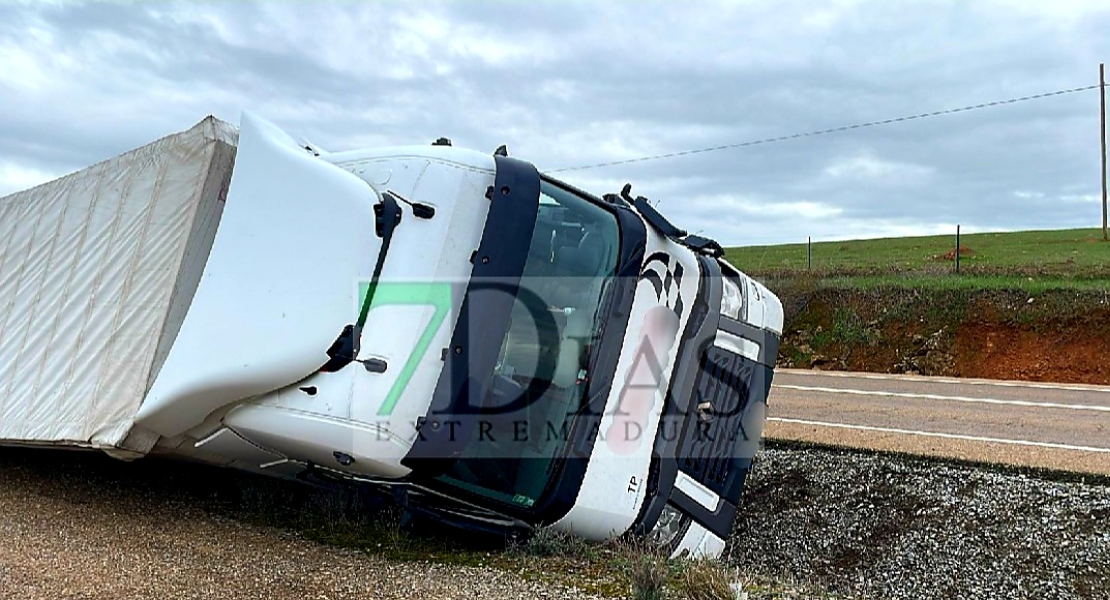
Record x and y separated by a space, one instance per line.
1061 336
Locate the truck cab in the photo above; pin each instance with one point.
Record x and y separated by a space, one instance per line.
499 349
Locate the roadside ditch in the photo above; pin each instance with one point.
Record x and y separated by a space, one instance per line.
1055 335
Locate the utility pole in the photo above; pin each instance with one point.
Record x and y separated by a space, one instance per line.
1102 94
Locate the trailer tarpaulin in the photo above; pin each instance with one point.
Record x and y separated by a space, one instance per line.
97 270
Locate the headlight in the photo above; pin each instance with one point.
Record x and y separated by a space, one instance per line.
670 528
732 299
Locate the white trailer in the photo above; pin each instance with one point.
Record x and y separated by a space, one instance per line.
501 350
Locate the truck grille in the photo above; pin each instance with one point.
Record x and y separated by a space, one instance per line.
715 432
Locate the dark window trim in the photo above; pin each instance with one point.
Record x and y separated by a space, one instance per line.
469 365
570 467
570 471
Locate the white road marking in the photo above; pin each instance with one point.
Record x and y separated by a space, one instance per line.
828 390
947 380
951 436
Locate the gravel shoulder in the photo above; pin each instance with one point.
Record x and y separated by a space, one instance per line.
818 522
882 525
80 526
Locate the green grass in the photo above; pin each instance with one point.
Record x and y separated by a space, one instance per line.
944 281
1032 260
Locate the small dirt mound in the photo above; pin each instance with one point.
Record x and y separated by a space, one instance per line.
951 254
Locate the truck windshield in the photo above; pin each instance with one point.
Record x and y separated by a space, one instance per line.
544 362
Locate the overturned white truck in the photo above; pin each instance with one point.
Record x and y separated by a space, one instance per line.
501 350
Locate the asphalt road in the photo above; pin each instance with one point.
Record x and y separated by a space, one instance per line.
1050 425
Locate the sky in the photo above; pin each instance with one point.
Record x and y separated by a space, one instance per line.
567 84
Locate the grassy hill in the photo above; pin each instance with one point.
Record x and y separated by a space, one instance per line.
1027 305
1071 258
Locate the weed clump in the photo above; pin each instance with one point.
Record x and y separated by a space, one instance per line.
646 567
648 573
705 579
547 542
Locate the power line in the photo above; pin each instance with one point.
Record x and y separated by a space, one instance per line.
827 131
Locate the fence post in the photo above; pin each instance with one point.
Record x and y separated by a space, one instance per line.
809 253
957 249
1102 120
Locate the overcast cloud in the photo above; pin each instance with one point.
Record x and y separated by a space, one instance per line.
566 84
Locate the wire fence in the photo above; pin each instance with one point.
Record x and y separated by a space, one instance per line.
1078 256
